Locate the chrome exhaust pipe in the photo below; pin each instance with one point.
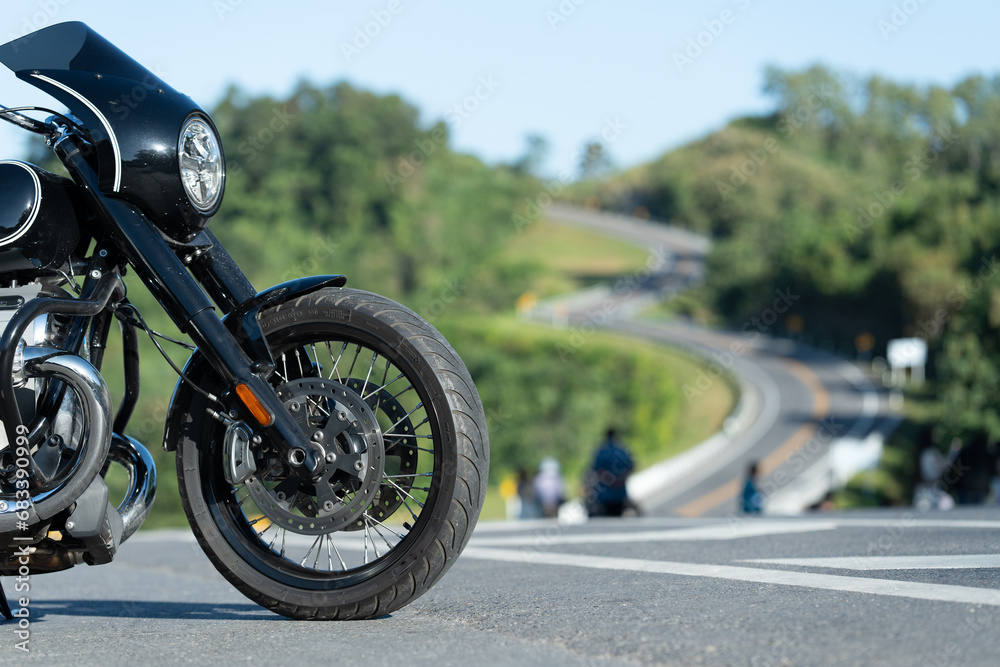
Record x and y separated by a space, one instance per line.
138 463
95 401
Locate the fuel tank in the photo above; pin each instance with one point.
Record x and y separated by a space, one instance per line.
39 227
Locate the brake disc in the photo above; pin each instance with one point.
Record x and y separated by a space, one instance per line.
401 451
335 415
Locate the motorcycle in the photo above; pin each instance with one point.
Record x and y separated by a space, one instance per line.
331 448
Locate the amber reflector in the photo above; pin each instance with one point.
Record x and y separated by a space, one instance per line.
254 405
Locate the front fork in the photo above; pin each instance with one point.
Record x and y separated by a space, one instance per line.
187 304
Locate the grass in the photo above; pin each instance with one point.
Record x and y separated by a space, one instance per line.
568 259
697 422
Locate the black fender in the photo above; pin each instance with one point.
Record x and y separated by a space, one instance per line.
242 322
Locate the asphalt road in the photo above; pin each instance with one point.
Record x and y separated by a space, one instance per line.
872 588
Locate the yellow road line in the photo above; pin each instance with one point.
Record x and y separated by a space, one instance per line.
731 489
712 499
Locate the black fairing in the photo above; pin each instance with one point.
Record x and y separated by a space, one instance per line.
133 116
38 222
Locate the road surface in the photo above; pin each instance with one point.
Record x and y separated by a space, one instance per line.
871 588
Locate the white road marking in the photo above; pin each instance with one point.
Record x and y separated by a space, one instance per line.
954 562
909 521
720 531
905 589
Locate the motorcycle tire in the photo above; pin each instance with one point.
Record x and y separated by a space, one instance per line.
424 474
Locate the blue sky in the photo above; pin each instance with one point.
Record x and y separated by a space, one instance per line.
564 69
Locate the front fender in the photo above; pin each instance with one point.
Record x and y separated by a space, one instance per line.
243 324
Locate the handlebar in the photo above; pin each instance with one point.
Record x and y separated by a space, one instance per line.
13 115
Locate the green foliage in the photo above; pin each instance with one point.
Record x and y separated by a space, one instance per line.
555 392
876 203
339 180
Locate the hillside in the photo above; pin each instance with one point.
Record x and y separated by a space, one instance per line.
874 205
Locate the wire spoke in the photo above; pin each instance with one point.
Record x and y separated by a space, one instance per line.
406 444
337 551
357 353
378 389
409 387
336 361
370 369
270 545
405 493
401 419
368 534
314 545
315 358
376 523
322 410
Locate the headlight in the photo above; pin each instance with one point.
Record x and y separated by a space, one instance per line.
203 170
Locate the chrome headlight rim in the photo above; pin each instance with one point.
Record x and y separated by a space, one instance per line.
205 204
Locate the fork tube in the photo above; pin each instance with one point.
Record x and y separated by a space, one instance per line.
188 306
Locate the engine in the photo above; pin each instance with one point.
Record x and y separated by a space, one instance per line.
66 410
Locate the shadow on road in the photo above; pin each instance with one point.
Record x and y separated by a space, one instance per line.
151 609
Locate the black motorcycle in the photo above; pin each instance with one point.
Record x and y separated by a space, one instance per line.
331 448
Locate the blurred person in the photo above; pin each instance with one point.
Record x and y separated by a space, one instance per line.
549 488
530 509
929 493
508 491
824 504
975 467
994 498
753 499
605 487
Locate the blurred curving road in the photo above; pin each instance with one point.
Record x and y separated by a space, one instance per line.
811 419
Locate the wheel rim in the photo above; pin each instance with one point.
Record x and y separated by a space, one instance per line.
397 509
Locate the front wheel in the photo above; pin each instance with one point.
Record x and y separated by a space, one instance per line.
401 416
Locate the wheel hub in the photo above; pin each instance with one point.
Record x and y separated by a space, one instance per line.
338 418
